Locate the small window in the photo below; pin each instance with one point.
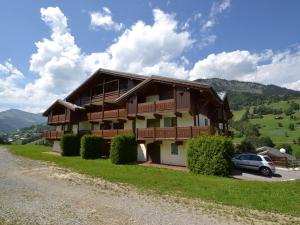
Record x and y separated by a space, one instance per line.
255 158
170 122
153 123
206 122
174 149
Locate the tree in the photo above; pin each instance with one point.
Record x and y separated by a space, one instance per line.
288 148
2 141
260 141
245 116
280 124
292 126
298 140
289 111
245 146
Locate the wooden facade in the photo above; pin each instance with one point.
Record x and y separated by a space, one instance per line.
114 102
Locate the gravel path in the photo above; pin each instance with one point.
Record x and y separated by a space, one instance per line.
33 192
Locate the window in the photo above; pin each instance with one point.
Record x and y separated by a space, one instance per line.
118 125
174 149
206 122
153 123
255 158
170 122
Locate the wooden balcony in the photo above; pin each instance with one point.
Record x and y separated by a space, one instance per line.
53 135
109 134
58 119
171 133
98 99
158 106
109 114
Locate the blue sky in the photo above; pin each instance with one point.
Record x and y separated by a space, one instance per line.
47 48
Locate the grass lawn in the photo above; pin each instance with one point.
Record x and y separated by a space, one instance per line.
281 197
270 127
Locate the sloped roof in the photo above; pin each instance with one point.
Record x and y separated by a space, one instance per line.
274 152
107 72
64 103
189 84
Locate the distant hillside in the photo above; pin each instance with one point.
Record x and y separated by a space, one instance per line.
14 119
243 94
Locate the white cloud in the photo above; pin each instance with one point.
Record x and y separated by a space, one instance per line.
216 9
282 68
104 19
145 48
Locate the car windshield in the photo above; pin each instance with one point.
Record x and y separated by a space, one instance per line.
267 158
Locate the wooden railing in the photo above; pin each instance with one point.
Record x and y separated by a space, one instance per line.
158 106
108 134
55 119
100 97
109 114
173 133
53 135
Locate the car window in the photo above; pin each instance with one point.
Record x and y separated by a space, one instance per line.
267 158
255 158
244 157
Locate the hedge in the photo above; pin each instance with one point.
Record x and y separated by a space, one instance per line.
123 149
210 155
91 147
70 145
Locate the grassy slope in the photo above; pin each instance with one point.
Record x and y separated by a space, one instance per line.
270 126
282 197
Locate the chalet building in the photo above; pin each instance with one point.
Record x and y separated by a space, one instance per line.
162 112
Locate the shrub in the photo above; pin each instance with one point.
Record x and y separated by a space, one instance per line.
260 141
210 155
245 146
123 149
70 145
92 147
292 126
288 148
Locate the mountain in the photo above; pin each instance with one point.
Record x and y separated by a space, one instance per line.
14 119
241 94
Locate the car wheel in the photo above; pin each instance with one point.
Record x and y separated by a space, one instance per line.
265 171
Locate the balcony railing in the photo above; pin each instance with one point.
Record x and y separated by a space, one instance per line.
109 114
158 106
109 134
171 133
55 119
100 97
53 135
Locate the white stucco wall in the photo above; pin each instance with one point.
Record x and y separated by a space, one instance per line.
128 124
167 158
84 125
58 128
56 146
142 152
185 120
75 129
202 120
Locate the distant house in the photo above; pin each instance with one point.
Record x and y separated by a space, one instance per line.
278 117
162 112
279 158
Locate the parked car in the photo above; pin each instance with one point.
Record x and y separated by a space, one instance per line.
261 163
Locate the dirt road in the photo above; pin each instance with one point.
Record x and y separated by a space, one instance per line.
33 192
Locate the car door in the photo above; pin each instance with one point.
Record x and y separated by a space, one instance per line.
243 161
255 162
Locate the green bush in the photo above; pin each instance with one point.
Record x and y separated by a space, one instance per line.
210 155
70 145
123 149
91 147
245 146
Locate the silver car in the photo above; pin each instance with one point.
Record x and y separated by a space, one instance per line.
261 163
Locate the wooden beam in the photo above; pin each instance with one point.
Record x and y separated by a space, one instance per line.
122 120
179 142
157 116
140 117
178 114
157 142
131 117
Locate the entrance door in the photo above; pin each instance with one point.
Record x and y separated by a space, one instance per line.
153 152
